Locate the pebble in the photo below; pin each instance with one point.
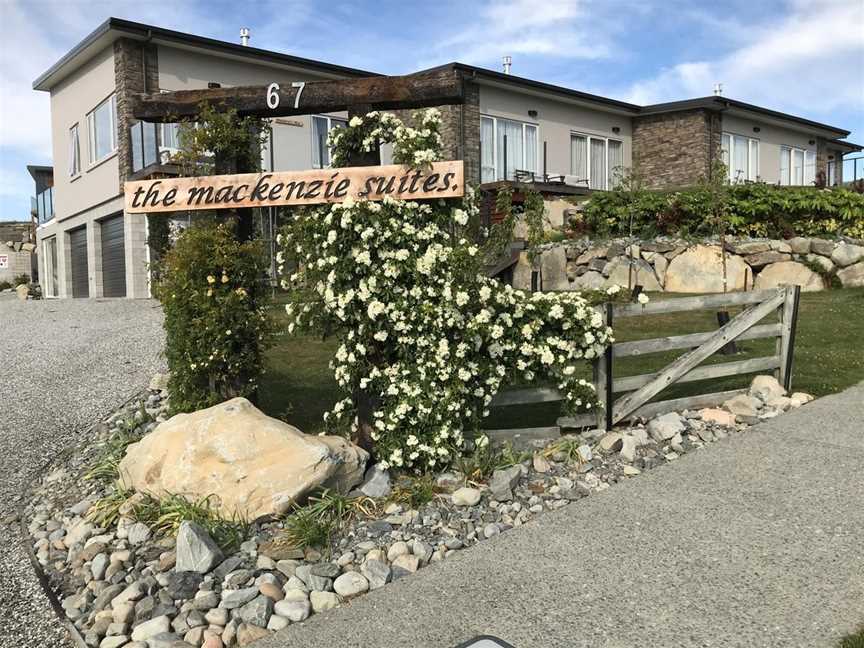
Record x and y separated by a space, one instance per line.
350 584
465 497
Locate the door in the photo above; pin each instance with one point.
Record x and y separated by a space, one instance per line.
80 278
49 247
113 257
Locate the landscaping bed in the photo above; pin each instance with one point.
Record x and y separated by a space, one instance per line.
133 572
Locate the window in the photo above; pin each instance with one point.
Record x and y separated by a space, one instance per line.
74 152
797 166
321 127
49 248
741 157
101 124
596 161
506 146
170 135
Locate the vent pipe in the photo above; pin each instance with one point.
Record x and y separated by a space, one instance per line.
244 36
508 62
718 89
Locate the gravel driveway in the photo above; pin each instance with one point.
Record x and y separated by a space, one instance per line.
63 364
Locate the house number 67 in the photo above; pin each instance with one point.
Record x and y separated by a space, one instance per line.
273 94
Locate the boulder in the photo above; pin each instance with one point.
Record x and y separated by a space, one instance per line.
376 483
766 387
821 246
619 273
522 272
196 550
503 482
789 272
593 253
23 290
799 245
667 426
553 269
718 416
852 276
846 254
255 465
748 247
820 261
781 246
700 270
765 258
747 407
589 281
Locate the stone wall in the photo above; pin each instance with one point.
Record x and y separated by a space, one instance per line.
670 265
19 259
130 60
676 149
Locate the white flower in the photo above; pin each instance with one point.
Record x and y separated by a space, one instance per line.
460 216
355 121
614 289
643 298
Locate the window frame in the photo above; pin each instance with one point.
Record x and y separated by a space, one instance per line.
74 162
750 176
330 119
791 150
91 129
588 137
534 125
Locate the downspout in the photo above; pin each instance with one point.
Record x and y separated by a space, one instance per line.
144 57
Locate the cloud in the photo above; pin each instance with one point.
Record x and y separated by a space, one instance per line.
812 60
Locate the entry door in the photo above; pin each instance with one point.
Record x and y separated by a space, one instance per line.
80 277
49 248
113 257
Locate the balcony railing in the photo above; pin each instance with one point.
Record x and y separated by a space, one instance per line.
152 144
42 205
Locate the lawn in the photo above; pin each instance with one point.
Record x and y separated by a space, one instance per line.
828 358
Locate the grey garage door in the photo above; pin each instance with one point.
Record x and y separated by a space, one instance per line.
113 258
80 282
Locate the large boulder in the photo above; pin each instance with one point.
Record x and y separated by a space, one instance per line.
789 272
846 254
700 270
553 269
522 272
852 276
620 273
255 465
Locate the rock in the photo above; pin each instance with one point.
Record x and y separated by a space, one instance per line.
422 550
503 482
665 427
789 272
743 405
404 565
151 628
590 280
22 290
271 591
765 388
350 584
611 442
376 572
466 496
541 465
376 483
593 253
628 448
184 585
196 550
846 254
133 592
248 634
765 258
255 464
235 598
397 549
323 601
78 533
800 398
799 245
821 246
204 600
700 270
326 570
114 642
98 566
620 272
312 580
522 272
159 382
553 269
718 416
257 611
826 265
852 276
295 611
749 247
584 453
630 471
277 623
779 403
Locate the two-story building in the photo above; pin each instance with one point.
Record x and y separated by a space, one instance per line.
508 128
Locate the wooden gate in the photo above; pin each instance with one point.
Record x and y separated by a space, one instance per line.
639 390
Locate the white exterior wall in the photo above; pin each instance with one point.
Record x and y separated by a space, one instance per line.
556 120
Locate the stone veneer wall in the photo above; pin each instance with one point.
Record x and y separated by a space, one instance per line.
676 149
130 59
669 265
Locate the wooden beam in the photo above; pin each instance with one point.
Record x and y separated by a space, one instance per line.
427 89
737 368
688 341
701 302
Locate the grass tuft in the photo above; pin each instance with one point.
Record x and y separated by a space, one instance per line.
855 640
414 492
479 464
324 514
106 468
106 510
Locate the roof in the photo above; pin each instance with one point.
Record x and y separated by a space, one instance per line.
115 28
36 169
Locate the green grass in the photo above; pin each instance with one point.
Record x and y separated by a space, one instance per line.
828 359
853 640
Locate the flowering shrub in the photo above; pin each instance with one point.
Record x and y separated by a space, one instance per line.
216 323
425 337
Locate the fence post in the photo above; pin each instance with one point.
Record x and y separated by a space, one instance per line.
788 320
603 379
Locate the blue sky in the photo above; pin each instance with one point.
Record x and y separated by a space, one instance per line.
800 56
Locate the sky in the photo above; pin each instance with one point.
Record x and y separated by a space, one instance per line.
804 57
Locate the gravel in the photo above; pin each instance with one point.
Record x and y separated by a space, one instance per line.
64 364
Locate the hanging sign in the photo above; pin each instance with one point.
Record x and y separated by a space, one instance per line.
271 189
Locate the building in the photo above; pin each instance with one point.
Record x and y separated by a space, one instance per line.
508 128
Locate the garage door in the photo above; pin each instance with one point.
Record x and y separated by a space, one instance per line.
80 280
113 258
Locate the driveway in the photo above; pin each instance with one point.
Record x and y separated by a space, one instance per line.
63 365
754 541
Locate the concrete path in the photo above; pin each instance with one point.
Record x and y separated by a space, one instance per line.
757 540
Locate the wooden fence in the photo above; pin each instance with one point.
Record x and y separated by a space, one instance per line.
639 390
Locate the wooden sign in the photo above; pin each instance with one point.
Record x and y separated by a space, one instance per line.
271 189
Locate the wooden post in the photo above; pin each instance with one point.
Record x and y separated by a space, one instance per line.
603 379
788 312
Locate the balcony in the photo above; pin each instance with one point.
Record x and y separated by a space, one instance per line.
42 205
152 148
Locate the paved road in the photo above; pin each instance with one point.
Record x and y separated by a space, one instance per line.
63 365
756 541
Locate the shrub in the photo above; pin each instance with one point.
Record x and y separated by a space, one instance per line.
216 320
5 285
754 209
17 280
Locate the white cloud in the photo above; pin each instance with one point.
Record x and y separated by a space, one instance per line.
811 60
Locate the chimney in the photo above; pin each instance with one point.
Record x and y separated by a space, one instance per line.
244 36
718 89
508 61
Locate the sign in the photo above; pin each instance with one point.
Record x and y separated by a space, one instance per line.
317 186
4 260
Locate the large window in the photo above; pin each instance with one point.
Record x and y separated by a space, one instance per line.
49 281
74 152
797 166
506 146
595 161
321 126
741 157
101 124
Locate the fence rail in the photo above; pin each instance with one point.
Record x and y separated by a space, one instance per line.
639 390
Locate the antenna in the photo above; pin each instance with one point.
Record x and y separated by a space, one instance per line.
718 89
508 61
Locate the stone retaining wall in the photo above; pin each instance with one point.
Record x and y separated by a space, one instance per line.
672 265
